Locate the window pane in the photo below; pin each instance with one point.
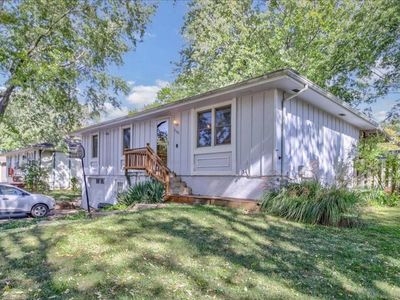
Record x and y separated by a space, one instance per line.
204 129
5 190
95 145
126 138
223 125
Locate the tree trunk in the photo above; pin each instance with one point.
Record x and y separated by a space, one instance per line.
5 97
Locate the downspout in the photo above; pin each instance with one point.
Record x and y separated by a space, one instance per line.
283 109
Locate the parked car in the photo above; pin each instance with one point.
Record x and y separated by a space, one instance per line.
16 201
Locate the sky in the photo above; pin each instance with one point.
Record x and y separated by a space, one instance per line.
151 65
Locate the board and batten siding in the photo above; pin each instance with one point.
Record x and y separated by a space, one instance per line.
315 141
256 134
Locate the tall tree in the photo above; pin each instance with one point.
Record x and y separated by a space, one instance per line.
352 48
58 53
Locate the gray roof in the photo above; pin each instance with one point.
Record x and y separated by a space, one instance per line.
367 123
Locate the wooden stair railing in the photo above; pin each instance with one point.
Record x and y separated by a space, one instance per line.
146 159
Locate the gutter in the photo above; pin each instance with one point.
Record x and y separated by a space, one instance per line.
283 109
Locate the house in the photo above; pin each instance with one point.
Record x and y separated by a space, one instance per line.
3 169
60 167
234 141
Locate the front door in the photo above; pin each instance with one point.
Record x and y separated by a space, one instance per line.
162 140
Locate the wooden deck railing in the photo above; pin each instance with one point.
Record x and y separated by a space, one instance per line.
146 159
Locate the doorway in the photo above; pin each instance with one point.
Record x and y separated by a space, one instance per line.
162 140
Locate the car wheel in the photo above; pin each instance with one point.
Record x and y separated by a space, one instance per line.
39 210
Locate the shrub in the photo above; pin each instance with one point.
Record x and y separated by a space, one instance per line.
35 177
382 198
74 184
310 202
143 192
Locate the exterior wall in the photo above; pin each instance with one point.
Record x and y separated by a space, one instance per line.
3 169
244 169
316 143
59 166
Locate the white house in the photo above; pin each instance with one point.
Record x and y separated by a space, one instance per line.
61 168
3 169
235 141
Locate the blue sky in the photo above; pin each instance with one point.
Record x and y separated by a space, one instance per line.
150 66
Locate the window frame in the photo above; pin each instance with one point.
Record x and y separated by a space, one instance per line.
194 150
213 110
215 126
92 148
122 137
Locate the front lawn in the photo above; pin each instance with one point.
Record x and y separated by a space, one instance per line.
201 252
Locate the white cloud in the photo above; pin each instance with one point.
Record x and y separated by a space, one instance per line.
145 94
112 112
381 115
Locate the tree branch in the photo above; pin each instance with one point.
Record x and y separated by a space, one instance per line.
5 97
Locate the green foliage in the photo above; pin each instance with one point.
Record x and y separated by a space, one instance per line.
229 41
378 164
381 198
74 184
54 60
310 202
143 192
35 177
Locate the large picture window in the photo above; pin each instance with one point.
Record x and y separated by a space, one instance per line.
126 138
214 127
95 146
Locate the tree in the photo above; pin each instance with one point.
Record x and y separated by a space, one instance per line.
58 52
349 47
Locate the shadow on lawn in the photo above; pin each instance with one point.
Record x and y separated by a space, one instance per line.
250 253
313 262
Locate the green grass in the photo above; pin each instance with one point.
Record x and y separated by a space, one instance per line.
64 195
201 252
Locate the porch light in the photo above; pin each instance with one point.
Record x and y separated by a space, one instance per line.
175 122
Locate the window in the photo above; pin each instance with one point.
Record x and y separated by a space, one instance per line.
99 180
204 128
223 125
126 138
214 127
95 146
10 191
120 187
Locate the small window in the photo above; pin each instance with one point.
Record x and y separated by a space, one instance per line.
223 125
126 138
204 128
99 180
120 187
95 146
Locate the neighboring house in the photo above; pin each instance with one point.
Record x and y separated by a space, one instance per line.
3 169
234 141
60 167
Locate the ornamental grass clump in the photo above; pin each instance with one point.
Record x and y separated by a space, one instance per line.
143 192
310 202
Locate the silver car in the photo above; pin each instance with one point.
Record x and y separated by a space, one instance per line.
16 201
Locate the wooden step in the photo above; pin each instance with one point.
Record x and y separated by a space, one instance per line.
247 204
